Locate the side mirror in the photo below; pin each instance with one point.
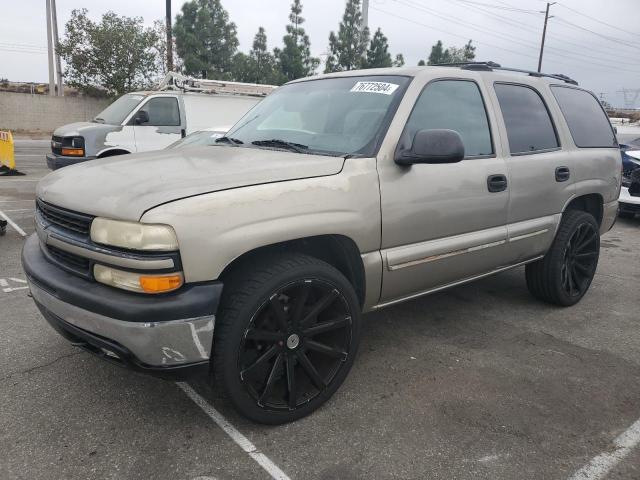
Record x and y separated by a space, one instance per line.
433 146
141 117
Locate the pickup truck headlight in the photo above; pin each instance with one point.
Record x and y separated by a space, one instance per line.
134 235
138 282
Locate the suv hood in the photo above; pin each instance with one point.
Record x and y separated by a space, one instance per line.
127 186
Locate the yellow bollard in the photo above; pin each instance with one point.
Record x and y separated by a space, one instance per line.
7 154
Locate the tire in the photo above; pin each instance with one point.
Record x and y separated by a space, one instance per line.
282 318
629 215
564 274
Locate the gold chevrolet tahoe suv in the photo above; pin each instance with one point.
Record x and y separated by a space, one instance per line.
336 195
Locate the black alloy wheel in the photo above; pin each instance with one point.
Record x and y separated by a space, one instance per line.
564 274
580 260
286 336
295 344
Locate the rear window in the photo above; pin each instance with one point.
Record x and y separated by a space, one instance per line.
587 122
529 126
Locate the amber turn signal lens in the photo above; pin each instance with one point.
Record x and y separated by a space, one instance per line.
160 284
73 152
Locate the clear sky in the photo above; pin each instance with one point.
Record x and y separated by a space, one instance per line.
597 42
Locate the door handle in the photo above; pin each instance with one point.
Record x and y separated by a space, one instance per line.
562 174
497 183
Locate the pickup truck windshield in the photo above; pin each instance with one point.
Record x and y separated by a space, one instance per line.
115 113
331 116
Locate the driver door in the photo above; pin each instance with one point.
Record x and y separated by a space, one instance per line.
440 222
159 125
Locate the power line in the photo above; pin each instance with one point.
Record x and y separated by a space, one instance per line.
448 32
482 29
522 26
598 20
606 37
574 60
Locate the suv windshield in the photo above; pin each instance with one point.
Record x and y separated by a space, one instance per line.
331 116
115 113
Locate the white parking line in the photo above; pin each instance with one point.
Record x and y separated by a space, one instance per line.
599 466
243 442
13 224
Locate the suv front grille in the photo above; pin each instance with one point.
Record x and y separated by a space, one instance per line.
74 262
66 219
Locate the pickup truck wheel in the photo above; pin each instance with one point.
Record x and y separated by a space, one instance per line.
285 338
565 273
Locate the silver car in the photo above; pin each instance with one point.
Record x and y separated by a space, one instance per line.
335 196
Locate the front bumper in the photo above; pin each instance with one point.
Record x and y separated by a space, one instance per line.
628 202
166 334
58 161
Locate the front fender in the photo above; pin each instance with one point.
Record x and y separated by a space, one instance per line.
215 228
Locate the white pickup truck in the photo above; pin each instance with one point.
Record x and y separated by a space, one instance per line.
153 120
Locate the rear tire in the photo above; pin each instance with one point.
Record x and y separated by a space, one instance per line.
565 273
286 336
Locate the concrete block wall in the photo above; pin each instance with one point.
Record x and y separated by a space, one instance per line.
24 112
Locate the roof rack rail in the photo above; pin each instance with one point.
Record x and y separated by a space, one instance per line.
491 66
176 81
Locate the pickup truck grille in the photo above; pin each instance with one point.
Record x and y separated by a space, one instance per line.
66 219
70 261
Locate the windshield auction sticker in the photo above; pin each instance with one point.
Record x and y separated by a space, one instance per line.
375 87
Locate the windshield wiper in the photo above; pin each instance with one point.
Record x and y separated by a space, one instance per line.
229 140
98 120
275 142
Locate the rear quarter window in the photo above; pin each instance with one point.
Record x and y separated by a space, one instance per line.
588 123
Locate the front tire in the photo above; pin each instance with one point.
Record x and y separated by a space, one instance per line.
565 273
286 336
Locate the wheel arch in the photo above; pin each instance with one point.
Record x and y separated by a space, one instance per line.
113 152
337 250
592 203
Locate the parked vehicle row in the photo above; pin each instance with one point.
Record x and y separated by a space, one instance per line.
152 120
336 195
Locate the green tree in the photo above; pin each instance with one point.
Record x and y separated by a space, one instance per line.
378 55
262 62
440 55
117 54
399 60
295 60
347 48
206 40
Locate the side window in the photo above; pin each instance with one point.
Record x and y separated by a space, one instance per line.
587 121
529 126
454 105
163 112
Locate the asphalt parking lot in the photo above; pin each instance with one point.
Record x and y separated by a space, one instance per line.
479 382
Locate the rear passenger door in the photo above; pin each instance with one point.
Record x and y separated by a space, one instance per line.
540 171
440 222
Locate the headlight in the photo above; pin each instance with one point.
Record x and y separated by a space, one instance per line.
138 282
73 146
134 235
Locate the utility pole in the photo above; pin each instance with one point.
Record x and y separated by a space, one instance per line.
544 34
169 37
56 44
52 85
365 14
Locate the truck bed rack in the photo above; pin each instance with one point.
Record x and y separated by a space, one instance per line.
176 81
491 66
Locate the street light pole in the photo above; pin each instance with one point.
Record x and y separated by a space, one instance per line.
52 84
544 34
169 37
56 45
365 14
